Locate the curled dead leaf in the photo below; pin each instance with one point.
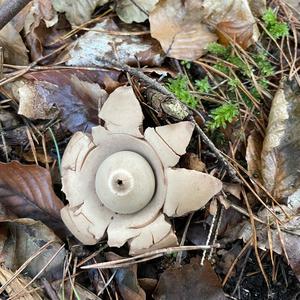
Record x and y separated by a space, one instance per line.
182 29
14 49
280 155
192 25
73 95
26 190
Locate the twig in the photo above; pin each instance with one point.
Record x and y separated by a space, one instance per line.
9 9
149 255
160 88
216 151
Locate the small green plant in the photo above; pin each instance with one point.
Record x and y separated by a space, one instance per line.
222 115
218 49
221 68
186 63
241 65
264 65
179 87
233 83
203 85
276 29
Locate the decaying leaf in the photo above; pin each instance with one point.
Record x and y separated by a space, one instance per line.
134 11
178 26
77 11
73 95
192 281
44 29
17 286
26 190
14 50
233 20
22 239
194 24
281 148
126 281
107 40
285 242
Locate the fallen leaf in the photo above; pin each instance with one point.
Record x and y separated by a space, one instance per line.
191 281
24 238
44 30
287 238
178 26
231 18
107 40
26 190
134 11
73 95
17 285
77 11
14 50
280 155
194 24
126 280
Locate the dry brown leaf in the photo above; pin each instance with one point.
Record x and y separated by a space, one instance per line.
126 281
134 11
22 239
231 18
281 152
285 241
73 95
44 30
178 26
14 50
108 44
77 11
26 190
17 285
191 281
185 28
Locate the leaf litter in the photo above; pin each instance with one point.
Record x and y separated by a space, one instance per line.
60 61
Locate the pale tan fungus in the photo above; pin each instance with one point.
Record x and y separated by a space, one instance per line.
120 183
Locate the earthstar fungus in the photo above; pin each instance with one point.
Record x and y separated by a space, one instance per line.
122 182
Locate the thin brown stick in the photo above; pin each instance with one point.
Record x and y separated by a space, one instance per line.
150 255
9 9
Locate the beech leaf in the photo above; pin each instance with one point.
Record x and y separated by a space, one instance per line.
26 190
280 156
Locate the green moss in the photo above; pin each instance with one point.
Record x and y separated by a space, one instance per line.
179 87
222 115
276 29
203 85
